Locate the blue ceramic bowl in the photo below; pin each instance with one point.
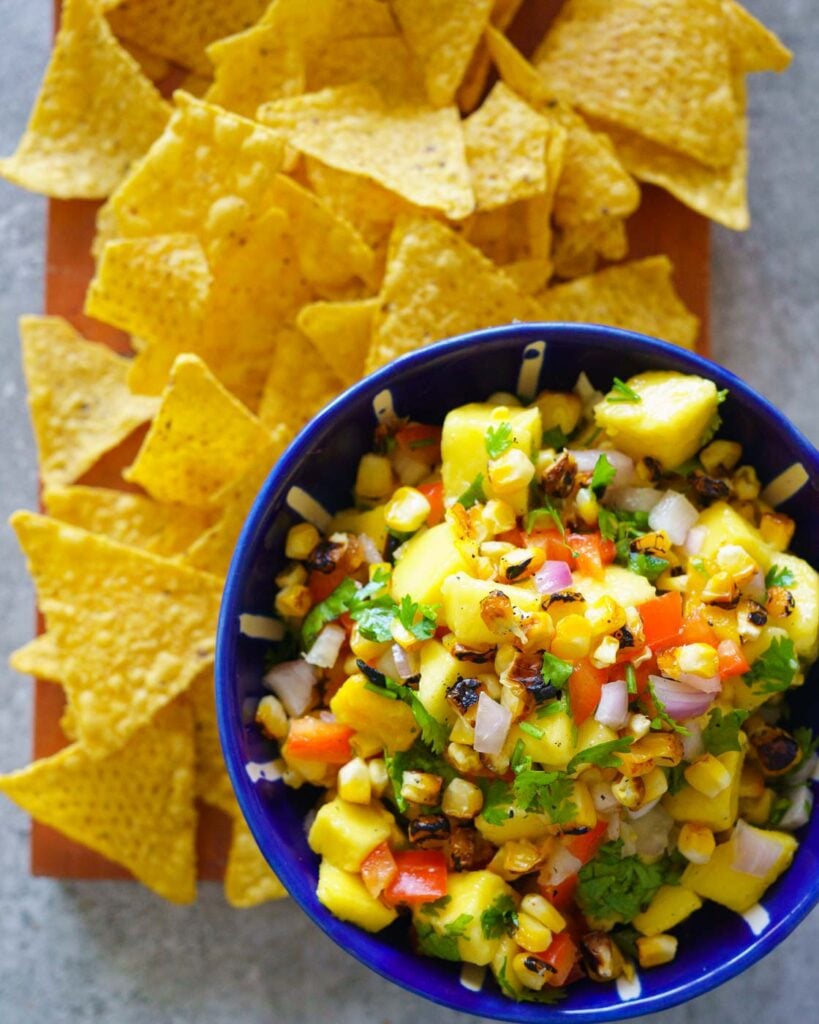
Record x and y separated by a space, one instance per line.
317 473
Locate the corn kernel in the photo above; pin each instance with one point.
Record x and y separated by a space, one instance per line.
757 810
696 842
605 654
291 574
721 589
514 700
530 971
364 744
751 618
605 616
629 793
463 758
542 910
538 630
367 650
373 480
655 785
657 542
462 799
518 857
354 782
379 776
708 776
519 563
654 950
301 539
293 601
544 459
498 517
638 725
777 530
404 637
698 660
272 717
720 455
746 483
735 560
462 732
572 639
421 787
751 781
511 472
407 510
587 507
292 777
531 934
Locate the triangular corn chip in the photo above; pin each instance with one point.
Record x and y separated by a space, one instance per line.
578 248
249 879
96 113
80 403
299 383
152 65
530 275
132 629
443 34
753 46
40 658
638 296
133 519
134 806
341 332
474 81
255 67
201 439
212 781
384 62
436 286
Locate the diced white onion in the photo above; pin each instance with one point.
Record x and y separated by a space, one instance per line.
613 707
805 771
586 459
710 685
587 392
798 813
386 664
602 797
326 646
754 852
633 499
640 812
406 662
410 471
652 826
560 866
492 724
675 514
680 700
369 550
755 588
292 682
693 746
694 540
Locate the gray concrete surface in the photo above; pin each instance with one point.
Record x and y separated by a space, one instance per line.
111 952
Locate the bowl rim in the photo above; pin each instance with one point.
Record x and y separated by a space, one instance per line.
227 636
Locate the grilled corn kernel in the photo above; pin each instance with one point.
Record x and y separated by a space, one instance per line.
462 799
746 483
373 480
698 660
605 654
531 934
605 616
354 783
464 758
781 603
757 810
293 573
665 749
696 842
462 732
513 698
638 725
708 776
421 787
777 530
404 637
629 793
751 781
379 776
518 857
407 510
720 455
367 650
272 717
656 784
751 618
498 517
587 506
735 560
364 744
511 472
656 542
721 589
541 909
530 970
539 630
572 638
654 950
520 563
293 601
301 539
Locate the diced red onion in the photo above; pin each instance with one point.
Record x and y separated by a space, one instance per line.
292 682
798 813
492 724
693 746
406 662
675 514
326 715
680 700
369 550
560 866
710 685
613 707
754 852
326 646
694 540
586 459
633 499
553 576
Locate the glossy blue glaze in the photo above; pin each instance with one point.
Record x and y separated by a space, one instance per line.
715 944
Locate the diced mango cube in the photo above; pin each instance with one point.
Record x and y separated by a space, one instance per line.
439 671
670 905
718 812
622 585
462 596
346 897
390 721
427 560
555 748
528 825
344 833
802 625
371 522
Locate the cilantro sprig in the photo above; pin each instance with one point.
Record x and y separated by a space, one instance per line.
612 886
602 475
556 671
499 918
498 440
546 511
775 670
621 392
602 754
779 576
445 946
722 732
474 494
662 717
434 733
645 564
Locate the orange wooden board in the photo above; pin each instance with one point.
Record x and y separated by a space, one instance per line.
661 225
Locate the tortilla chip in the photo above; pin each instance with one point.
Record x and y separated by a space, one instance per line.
414 151
212 781
205 175
135 806
502 235
474 81
506 149
530 276
152 65
341 332
249 880
79 399
436 286
443 34
345 18
133 519
96 113
638 296
539 208
384 62
132 629
299 383
578 248
753 46
40 658
180 30
201 439
660 69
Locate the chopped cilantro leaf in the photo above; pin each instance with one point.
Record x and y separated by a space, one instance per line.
554 437
548 510
779 576
375 619
622 527
808 743
602 754
607 521
722 732
621 392
445 946
614 886
546 793
434 908
774 671
500 918
555 707
602 475
650 566
434 733
380 690
498 440
676 777
497 801
425 628
326 611
722 395
626 941
474 493
556 671
417 759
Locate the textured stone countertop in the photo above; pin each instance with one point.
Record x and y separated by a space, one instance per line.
109 951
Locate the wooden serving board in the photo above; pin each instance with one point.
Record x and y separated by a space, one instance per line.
661 225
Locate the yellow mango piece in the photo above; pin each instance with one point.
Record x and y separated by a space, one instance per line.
670 905
622 585
428 559
525 825
669 421
371 522
439 671
719 812
391 721
344 833
726 526
556 747
346 897
803 624
462 596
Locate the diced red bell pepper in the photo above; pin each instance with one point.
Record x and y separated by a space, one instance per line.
420 878
695 629
557 550
434 493
322 584
662 620
585 685
421 442
562 955
590 554
585 846
561 896
514 536
378 870
732 662
313 739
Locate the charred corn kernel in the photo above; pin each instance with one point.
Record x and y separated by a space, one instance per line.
708 776
721 589
559 409
605 616
587 506
292 574
497 763
735 560
781 603
777 530
462 731
638 725
520 856
379 776
378 567
605 654
498 517
541 909
654 950
367 650
421 787
746 483
699 660
404 637
696 842
720 455
373 480
350 666
293 601
520 563
751 618
751 781
301 539
514 700
757 810
657 541
664 749
272 717
629 793
747 509
407 510
364 744
538 630
354 783
531 934
572 639
511 472
462 799
463 758
655 785
530 970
